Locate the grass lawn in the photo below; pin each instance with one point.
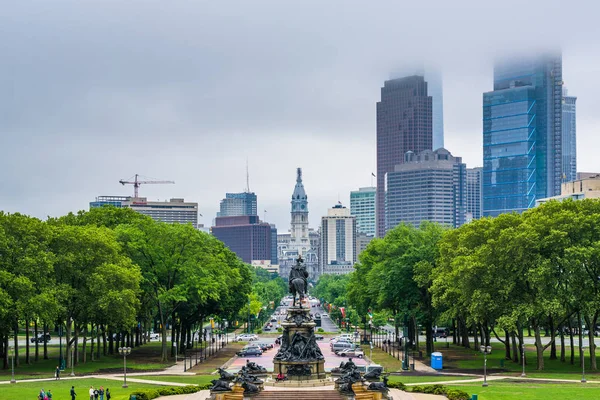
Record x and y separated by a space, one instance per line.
192 380
220 358
469 360
531 391
60 389
389 363
408 378
143 358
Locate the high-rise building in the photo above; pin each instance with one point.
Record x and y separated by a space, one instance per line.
587 187
362 206
338 241
474 193
429 186
569 137
173 211
235 204
246 236
522 134
404 123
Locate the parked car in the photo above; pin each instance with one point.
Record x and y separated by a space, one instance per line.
356 352
41 338
250 352
324 315
153 336
246 337
267 328
265 346
319 337
440 332
342 346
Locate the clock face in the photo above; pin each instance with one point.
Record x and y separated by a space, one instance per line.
302 206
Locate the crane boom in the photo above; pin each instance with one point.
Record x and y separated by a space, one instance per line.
136 184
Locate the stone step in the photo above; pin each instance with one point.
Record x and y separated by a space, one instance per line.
299 395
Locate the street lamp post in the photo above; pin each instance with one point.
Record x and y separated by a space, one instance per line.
583 380
485 350
125 351
523 358
12 357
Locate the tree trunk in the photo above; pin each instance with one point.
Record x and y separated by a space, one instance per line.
84 346
45 326
5 352
92 343
581 360
68 344
16 343
591 323
539 347
572 343
515 349
416 331
475 337
98 327
454 333
164 338
111 344
104 340
27 359
552 334
76 344
464 334
562 345
37 345
506 345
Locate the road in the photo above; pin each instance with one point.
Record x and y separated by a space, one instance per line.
280 313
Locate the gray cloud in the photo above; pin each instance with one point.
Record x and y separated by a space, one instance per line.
95 91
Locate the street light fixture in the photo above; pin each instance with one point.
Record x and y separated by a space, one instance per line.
124 351
485 350
12 357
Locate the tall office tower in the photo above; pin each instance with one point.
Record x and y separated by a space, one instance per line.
404 123
235 204
338 241
430 186
246 236
362 206
299 230
569 137
522 134
474 192
172 211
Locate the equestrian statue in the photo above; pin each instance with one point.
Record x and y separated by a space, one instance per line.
298 281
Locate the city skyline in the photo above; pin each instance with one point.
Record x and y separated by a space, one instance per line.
174 99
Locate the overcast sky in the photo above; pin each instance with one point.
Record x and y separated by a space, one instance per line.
95 91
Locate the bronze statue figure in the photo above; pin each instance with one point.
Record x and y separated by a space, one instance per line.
298 281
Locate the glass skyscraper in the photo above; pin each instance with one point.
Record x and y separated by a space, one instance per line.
235 204
474 200
362 206
522 134
569 137
404 123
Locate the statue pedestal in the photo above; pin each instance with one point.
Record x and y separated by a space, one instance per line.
299 357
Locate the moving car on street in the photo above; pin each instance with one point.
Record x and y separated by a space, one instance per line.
246 337
250 352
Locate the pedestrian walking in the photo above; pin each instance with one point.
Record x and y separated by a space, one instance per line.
91 392
57 373
72 393
96 394
107 394
101 392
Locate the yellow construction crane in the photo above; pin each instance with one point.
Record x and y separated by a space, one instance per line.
136 183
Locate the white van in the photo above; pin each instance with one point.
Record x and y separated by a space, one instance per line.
342 346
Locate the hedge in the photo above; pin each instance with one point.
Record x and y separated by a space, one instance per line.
397 385
451 394
168 391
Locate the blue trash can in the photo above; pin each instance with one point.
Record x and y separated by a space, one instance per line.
436 360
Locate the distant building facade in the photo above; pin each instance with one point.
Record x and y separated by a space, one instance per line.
362 241
585 188
235 204
522 134
429 186
474 193
404 123
569 137
175 210
245 235
362 206
338 241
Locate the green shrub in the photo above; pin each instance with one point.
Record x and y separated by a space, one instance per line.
167 391
259 331
320 330
279 330
455 394
397 385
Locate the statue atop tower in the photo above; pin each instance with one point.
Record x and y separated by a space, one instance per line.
299 239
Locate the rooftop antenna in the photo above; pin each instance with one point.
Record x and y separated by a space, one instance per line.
247 177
